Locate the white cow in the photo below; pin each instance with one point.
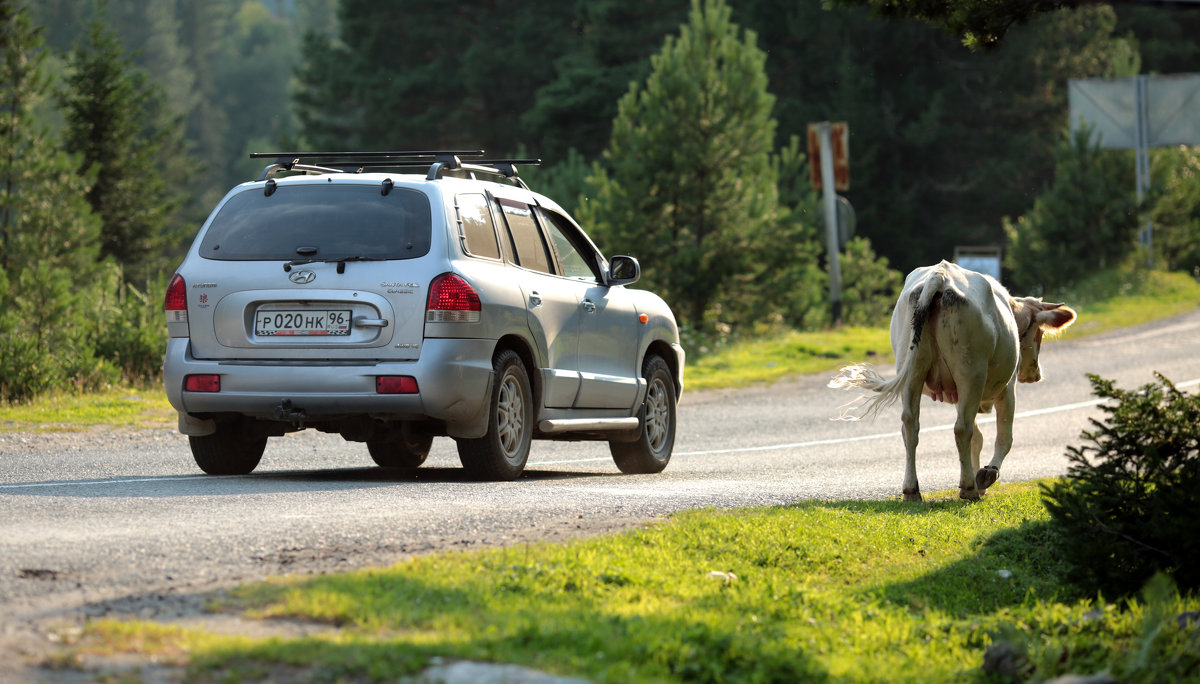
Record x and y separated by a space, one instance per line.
959 336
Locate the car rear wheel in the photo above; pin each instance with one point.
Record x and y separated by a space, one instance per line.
405 451
651 451
228 451
502 452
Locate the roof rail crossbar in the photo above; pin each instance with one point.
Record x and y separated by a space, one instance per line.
354 156
439 161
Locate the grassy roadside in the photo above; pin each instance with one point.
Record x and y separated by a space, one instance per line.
1111 300
854 591
121 406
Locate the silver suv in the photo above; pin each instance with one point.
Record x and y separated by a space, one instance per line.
392 297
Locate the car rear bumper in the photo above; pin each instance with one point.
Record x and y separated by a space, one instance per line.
453 380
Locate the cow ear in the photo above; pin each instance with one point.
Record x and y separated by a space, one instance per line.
1055 317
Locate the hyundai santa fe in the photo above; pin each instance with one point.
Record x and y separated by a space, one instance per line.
395 297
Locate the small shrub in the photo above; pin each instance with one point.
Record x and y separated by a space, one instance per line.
1128 504
869 285
128 332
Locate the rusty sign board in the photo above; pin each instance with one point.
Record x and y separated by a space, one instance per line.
840 133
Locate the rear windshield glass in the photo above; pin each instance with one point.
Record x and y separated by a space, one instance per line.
320 222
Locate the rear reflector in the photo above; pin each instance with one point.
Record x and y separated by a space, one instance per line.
202 383
452 300
395 384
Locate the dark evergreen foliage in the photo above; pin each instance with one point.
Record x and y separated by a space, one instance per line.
111 110
979 23
1083 223
687 182
1127 508
48 235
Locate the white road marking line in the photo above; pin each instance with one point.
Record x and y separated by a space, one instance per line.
889 435
743 450
110 481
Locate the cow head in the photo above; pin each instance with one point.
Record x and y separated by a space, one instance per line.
1036 318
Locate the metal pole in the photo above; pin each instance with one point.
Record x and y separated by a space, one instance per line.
831 228
1142 155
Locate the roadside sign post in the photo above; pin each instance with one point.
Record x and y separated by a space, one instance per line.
1137 113
829 142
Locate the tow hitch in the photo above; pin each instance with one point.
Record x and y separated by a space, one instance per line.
295 416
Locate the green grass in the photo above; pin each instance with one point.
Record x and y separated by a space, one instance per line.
793 353
117 406
1111 300
1126 298
878 591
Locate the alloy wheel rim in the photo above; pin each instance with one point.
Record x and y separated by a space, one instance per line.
510 416
658 415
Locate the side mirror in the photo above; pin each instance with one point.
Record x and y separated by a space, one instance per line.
623 270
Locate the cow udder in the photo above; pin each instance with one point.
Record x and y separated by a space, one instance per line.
939 383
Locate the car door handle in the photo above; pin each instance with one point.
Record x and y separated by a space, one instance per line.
535 300
364 322
589 306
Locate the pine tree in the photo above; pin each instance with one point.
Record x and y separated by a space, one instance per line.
1085 221
689 183
48 235
111 110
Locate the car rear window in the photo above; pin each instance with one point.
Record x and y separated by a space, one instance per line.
320 222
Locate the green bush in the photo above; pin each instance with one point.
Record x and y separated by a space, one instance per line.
869 286
1087 220
129 332
44 341
1128 505
1176 213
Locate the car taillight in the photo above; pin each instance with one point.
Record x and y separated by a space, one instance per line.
202 383
175 303
452 300
395 384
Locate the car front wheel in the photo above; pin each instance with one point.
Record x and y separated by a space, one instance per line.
228 451
501 453
651 451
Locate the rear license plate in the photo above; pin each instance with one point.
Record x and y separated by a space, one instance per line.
280 322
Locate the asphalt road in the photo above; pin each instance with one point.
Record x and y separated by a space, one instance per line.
123 522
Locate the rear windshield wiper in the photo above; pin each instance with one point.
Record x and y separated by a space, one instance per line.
341 262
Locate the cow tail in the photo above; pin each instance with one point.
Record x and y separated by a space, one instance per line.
923 301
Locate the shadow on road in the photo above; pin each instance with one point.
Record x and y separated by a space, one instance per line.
276 482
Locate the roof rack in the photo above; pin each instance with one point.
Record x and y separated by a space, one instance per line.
438 161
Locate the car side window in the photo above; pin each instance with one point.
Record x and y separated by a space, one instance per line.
527 241
475 226
573 263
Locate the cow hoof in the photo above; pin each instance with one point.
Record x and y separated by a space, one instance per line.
986 477
912 496
969 494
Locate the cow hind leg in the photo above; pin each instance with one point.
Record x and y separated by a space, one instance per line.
910 428
986 476
963 436
969 441
976 447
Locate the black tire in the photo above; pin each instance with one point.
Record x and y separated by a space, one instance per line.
651 451
502 452
406 451
228 451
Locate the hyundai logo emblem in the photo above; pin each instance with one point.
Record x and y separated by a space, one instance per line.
302 277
